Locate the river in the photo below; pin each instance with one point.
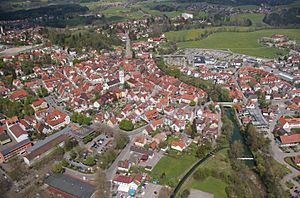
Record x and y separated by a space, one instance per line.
237 136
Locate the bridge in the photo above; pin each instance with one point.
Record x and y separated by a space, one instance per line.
245 158
226 104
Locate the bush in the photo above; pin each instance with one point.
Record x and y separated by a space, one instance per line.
126 125
201 174
57 168
185 193
89 161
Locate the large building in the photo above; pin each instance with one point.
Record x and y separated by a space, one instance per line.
43 148
16 148
57 119
69 187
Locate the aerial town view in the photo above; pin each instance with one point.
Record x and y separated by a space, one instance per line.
150 98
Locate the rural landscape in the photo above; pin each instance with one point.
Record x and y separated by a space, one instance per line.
150 98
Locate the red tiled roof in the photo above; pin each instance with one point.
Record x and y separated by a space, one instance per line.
18 93
55 118
289 139
17 130
38 102
123 179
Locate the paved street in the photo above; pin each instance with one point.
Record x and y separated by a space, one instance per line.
279 155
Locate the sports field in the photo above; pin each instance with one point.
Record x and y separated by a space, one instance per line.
243 42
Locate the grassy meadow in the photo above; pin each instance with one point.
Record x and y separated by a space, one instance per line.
240 42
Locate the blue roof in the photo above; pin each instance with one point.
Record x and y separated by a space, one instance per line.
8 148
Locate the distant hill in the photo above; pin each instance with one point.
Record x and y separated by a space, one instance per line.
242 2
51 10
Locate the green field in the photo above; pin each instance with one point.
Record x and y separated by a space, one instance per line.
179 164
256 19
211 184
194 34
243 42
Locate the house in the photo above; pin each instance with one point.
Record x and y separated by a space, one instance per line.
187 16
157 124
57 119
44 147
124 165
187 98
17 132
250 105
140 141
289 140
128 183
279 37
160 137
178 145
19 94
40 103
296 160
148 130
289 123
150 115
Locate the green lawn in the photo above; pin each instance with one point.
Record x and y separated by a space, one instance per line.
243 42
173 167
194 34
128 13
211 185
256 19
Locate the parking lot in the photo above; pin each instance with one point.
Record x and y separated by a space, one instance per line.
100 144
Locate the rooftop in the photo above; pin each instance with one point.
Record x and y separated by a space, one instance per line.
70 185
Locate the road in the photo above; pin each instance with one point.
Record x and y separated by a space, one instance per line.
128 53
81 176
279 155
16 50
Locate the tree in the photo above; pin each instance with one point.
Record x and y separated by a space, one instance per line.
4 186
185 193
89 161
121 140
126 125
102 186
192 103
164 192
57 168
80 118
42 92
70 143
236 149
201 174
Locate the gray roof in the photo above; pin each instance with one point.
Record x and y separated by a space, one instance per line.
40 143
70 185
